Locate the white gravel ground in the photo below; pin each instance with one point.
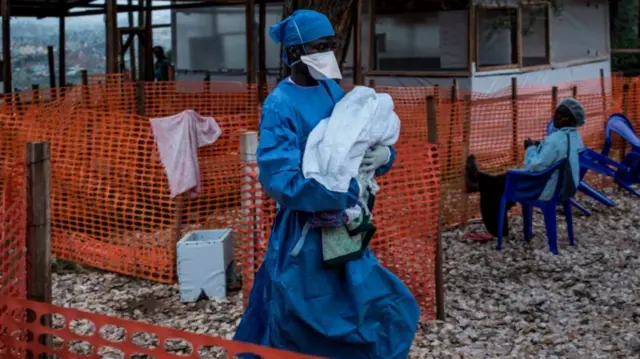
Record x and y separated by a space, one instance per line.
521 302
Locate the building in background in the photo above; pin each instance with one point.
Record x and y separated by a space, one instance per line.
432 42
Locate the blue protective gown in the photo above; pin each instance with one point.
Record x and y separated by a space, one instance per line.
359 311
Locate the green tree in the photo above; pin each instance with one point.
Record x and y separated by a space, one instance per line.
624 35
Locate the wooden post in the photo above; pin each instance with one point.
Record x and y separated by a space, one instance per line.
84 81
179 201
554 99
625 99
603 93
625 111
142 45
574 92
262 50
39 222
6 47
148 31
140 98
432 137
372 83
35 94
174 37
471 37
111 22
52 68
250 196
432 125
452 124
62 61
132 51
356 13
514 121
207 83
249 16
634 103
466 143
38 179
171 73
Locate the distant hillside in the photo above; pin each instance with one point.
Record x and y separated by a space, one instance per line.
85 46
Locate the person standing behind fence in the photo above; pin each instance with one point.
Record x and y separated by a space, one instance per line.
359 310
564 142
161 67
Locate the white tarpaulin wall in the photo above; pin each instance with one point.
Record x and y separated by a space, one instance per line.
580 31
214 40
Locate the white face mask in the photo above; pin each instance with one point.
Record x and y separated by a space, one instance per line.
322 65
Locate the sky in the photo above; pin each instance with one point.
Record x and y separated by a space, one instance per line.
162 16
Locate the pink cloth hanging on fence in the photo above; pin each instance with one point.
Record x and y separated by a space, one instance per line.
178 138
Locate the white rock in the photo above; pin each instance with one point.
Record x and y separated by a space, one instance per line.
522 302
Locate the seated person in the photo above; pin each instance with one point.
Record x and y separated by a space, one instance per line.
564 142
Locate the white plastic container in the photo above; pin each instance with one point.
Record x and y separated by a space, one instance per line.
204 257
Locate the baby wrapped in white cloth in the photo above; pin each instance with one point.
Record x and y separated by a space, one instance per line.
335 148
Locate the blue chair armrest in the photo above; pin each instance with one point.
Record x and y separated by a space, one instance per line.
601 159
521 172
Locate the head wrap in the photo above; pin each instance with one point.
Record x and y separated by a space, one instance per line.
576 110
303 26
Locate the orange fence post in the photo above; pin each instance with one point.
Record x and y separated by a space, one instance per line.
39 230
35 91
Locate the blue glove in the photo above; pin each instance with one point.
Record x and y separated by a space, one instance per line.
375 158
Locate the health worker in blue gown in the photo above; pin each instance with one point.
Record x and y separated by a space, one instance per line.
359 310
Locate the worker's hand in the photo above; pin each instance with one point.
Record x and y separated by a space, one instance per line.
529 142
375 158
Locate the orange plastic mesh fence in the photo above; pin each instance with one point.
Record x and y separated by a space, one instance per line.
110 203
208 98
406 215
111 92
494 127
13 231
74 334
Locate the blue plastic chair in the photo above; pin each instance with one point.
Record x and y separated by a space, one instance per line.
627 172
525 188
619 124
584 187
